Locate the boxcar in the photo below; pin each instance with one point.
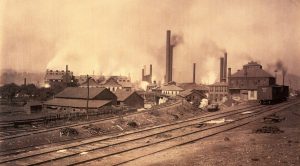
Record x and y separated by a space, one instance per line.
272 94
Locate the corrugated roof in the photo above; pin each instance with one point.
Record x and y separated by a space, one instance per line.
254 72
171 88
79 93
76 103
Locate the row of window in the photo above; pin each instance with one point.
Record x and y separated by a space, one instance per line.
218 89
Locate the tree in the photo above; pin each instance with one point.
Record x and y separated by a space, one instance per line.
9 91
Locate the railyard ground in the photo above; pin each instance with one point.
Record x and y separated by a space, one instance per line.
239 147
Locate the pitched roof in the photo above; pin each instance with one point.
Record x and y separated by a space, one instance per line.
79 93
76 103
171 88
193 86
187 92
111 82
253 72
123 95
92 82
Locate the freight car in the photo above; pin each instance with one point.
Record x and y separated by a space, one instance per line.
272 94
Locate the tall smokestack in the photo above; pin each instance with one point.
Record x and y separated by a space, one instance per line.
25 81
194 73
151 70
221 69
283 75
67 74
143 74
229 75
225 66
150 73
168 57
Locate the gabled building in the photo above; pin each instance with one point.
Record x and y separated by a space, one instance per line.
111 84
74 98
171 90
132 99
192 95
244 83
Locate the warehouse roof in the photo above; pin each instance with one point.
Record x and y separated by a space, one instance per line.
252 69
79 93
123 95
77 103
92 83
171 88
188 92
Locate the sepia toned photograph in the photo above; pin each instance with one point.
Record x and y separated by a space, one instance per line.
150 82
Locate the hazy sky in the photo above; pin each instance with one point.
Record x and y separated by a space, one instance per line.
120 36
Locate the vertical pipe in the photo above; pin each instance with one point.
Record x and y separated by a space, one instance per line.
25 81
143 74
168 40
221 69
225 66
150 73
194 73
171 64
229 75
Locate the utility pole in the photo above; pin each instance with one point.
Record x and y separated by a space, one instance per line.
88 95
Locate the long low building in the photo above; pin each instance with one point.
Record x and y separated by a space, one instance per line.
77 99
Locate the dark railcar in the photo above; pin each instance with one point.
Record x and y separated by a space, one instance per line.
272 94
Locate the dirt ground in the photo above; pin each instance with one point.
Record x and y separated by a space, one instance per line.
239 147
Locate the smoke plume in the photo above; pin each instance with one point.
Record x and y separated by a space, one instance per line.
119 37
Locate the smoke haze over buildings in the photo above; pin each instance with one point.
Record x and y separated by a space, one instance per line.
119 37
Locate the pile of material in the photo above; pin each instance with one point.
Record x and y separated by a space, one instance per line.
68 131
269 129
94 130
132 124
273 119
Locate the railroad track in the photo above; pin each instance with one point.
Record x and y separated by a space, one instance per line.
36 131
7 136
53 143
73 153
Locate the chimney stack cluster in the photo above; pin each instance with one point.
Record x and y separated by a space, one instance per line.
148 77
223 68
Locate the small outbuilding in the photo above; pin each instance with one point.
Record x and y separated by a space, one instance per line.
131 99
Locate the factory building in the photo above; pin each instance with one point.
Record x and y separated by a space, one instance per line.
244 83
58 76
131 99
76 99
218 92
170 90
